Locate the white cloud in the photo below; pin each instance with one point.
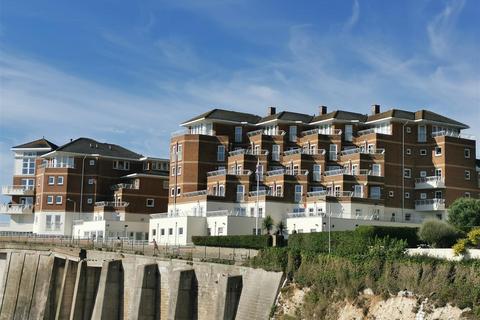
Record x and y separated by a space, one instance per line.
354 17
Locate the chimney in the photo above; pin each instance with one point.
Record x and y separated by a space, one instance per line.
271 111
375 108
322 109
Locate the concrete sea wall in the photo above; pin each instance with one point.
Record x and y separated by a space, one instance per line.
105 285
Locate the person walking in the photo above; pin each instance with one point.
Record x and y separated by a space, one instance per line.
155 248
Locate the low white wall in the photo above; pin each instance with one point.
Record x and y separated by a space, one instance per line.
446 254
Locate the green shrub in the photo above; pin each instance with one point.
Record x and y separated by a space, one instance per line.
410 235
464 213
271 259
460 247
244 241
474 237
438 234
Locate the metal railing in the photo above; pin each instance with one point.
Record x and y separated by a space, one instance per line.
276 172
454 134
18 190
318 193
434 202
331 132
433 179
114 204
304 151
366 131
249 151
215 173
123 186
362 150
195 193
9 208
265 132
335 172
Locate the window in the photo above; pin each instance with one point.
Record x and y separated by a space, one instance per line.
408 216
221 153
240 192
28 166
423 196
375 192
220 230
467 174
423 174
376 170
467 195
422 133
150 203
423 152
409 151
371 148
170 231
358 212
60 180
438 151
332 155
298 193
49 199
278 190
407 195
390 194
358 191
293 133
91 181
174 169
180 152
438 194
317 172
121 165
172 192
407 173
179 170
58 199
51 180
221 190
92 162
348 132
409 129
178 191
438 172
90 200
260 212
354 169
165 184
238 134
466 152
275 152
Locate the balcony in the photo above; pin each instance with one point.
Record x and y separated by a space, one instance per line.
253 152
123 186
16 208
113 204
279 172
18 190
304 151
204 132
347 152
430 204
195 193
265 132
454 134
432 182
355 172
331 132
265 192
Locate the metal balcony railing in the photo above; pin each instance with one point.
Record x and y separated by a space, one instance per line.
123 186
114 204
318 193
304 151
430 204
254 152
18 190
429 179
363 151
334 132
215 173
451 133
8 208
195 193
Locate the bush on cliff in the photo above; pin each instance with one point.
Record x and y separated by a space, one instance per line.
438 234
244 241
464 213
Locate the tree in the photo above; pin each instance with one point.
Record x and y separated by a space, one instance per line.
280 227
464 213
268 224
438 234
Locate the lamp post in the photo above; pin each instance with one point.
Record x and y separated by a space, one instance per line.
403 167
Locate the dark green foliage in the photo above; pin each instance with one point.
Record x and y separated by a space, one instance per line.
245 241
464 213
400 233
271 259
267 224
438 234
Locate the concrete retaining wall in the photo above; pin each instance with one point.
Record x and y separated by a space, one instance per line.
105 285
446 254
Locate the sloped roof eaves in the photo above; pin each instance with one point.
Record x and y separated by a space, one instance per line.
226 115
82 146
37 144
432 116
287 116
393 113
340 115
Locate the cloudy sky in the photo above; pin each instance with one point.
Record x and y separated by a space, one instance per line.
128 72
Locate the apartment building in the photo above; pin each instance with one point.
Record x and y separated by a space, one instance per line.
331 171
90 189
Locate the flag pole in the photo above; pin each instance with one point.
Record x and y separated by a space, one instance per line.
258 192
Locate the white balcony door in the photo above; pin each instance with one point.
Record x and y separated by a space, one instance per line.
276 152
376 169
240 192
348 132
317 171
333 152
358 191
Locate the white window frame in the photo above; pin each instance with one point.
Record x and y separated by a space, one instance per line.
276 152
317 172
60 180
466 153
423 196
423 152
179 170
438 151
348 132
240 195
180 152
292 132
92 162
221 152
57 198
50 199
89 200
91 181
409 151
238 134
407 173
407 195
298 193
51 180
374 193
332 152
423 174
422 133
378 170
152 204
467 175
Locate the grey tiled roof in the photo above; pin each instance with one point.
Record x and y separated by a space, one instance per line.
221 114
288 116
40 143
90 146
418 115
340 115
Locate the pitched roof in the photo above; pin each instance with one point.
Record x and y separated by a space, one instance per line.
432 116
90 146
37 144
340 115
287 116
418 115
221 114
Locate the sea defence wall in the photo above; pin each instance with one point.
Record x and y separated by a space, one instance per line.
77 284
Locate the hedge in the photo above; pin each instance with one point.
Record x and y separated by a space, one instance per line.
400 233
244 241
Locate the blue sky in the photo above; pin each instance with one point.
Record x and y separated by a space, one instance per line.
128 72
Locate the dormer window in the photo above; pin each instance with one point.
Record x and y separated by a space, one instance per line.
121 165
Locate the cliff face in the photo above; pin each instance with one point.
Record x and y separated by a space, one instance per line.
294 304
